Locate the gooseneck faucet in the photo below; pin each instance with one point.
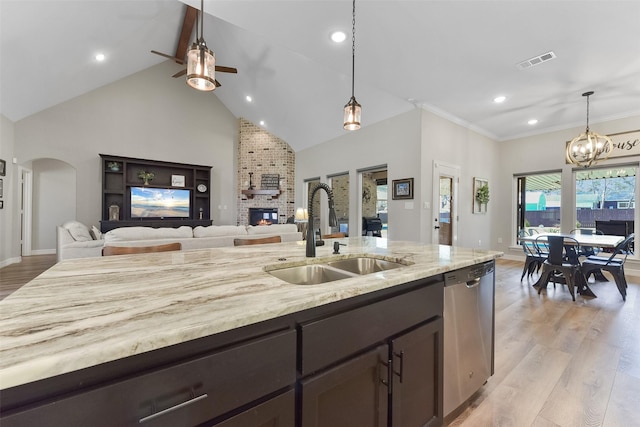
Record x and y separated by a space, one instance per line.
333 221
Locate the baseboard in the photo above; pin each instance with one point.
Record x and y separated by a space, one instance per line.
10 261
44 252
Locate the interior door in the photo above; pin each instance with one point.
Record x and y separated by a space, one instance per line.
445 203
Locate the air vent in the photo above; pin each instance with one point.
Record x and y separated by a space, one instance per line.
536 60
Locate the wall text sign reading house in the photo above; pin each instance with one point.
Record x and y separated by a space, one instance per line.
625 144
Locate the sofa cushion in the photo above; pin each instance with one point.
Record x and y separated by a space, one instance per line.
78 231
124 234
272 229
219 231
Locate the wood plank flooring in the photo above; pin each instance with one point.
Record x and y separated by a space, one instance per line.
558 362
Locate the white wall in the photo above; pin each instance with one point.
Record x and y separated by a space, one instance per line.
394 142
54 187
146 115
477 156
9 235
408 144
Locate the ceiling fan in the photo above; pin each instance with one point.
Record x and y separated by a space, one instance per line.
190 18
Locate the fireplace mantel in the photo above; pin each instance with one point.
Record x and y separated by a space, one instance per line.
272 193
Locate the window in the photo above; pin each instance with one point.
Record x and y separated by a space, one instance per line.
538 202
605 194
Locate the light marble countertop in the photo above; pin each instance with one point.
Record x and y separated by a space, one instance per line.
83 312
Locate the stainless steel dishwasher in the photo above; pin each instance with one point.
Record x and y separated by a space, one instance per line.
468 332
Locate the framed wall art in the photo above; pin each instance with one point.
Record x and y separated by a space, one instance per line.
177 180
402 189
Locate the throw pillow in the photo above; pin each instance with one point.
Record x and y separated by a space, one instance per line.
95 233
78 231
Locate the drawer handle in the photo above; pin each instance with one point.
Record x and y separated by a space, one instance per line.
173 408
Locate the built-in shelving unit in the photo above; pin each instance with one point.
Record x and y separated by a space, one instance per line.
120 174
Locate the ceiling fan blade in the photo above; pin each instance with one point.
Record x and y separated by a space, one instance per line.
180 73
173 58
226 69
190 16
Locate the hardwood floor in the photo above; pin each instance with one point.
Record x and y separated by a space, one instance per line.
558 362
15 275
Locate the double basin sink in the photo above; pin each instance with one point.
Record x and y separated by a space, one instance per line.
314 274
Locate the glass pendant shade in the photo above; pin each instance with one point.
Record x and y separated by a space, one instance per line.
352 112
588 148
201 65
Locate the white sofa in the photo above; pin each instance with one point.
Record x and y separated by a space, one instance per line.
75 240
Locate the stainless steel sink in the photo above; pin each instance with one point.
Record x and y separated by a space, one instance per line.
364 265
312 274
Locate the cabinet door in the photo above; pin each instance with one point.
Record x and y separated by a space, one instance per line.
352 393
417 376
276 412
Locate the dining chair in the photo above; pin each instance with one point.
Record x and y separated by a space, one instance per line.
562 265
533 258
612 264
257 241
126 250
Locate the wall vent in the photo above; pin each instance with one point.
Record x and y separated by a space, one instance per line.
536 60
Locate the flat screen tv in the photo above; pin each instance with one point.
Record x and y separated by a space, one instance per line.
159 203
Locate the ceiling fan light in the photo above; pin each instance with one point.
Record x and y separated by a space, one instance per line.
352 112
201 66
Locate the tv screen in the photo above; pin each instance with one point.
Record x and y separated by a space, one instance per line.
159 203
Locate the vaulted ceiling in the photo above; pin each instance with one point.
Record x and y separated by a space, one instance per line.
451 57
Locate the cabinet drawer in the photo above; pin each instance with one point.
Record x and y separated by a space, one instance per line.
328 340
180 395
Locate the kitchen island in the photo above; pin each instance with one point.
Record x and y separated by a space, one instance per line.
91 339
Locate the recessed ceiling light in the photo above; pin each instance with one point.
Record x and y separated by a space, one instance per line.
532 121
100 57
261 122
499 99
338 36
248 98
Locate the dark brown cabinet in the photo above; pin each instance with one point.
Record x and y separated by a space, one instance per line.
275 412
398 383
121 174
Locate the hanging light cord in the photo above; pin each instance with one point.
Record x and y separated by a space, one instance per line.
201 20
353 50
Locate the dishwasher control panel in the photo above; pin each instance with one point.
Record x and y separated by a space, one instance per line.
468 274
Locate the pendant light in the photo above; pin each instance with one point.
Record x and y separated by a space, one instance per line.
352 110
201 62
589 147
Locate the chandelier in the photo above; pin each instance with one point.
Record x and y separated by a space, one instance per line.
201 62
589 147
352 110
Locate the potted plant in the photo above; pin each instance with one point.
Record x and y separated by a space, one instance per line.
146 176
113 166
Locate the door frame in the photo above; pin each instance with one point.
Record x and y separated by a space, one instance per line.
450 171
26 210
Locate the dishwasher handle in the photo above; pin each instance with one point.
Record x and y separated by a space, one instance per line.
473 283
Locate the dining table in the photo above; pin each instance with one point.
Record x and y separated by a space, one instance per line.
605 241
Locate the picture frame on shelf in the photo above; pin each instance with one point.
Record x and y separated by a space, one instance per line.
480 195
3 167
402 189
177 180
